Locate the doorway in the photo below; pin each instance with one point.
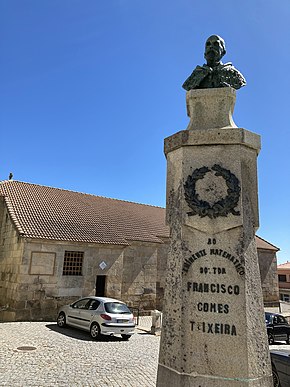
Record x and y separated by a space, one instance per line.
101 285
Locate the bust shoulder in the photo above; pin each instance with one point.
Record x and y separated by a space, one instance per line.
230 76
195 78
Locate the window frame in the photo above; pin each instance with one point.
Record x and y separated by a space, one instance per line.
73 263
280 277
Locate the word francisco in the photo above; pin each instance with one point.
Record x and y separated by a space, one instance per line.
212 251
213 288
214 328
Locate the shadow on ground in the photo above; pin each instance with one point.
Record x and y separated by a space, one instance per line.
80 335
143 332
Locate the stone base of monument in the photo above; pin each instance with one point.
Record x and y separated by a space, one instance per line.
169 378
213 329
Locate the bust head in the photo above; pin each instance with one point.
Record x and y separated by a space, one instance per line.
214 74
215 49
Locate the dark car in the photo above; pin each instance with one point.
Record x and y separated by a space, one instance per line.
278 328
281 368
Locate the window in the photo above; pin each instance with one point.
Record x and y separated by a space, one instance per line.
117 308
285 297
73 263
282 278
82 304
281 320
94 304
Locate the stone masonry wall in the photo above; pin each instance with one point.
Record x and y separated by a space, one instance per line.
161 270
140 275
11 251
42 288
269 277
38 287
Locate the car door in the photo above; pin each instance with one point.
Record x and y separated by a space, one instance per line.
75 315
87 313
280 328
90 313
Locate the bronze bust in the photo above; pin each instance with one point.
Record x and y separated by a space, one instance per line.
214 73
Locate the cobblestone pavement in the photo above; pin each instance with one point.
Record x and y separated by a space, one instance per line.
69 357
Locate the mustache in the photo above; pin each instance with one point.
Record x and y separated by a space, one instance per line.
212 50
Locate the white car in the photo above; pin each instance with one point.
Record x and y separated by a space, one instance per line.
99 316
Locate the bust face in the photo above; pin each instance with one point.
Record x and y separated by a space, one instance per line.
214 50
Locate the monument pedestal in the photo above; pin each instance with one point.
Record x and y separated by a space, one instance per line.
213 331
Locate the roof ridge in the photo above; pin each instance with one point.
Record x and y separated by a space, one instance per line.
46 212
78 192
284 263
268 242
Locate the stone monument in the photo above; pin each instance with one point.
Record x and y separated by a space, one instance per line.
213 331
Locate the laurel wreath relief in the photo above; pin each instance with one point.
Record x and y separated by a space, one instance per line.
222 207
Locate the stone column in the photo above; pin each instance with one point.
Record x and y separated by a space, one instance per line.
213 331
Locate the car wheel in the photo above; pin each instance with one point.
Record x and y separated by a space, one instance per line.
95 331
61 321
270 339
276 381
126 337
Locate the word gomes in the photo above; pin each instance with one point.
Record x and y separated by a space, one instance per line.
213 288
212 307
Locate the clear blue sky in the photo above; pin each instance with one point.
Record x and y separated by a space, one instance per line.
89 89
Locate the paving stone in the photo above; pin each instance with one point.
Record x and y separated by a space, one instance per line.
69 357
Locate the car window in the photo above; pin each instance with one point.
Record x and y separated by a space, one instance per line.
81 304
281 320
93 304
116 307
267 317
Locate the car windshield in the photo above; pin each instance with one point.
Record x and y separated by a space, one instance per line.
117 308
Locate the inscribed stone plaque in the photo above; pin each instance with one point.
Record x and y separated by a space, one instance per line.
42 263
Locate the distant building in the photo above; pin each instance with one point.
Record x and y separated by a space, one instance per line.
284 281
268 270
58 245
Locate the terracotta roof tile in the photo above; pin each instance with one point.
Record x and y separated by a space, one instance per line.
57 214
53 213
285 265
263 244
